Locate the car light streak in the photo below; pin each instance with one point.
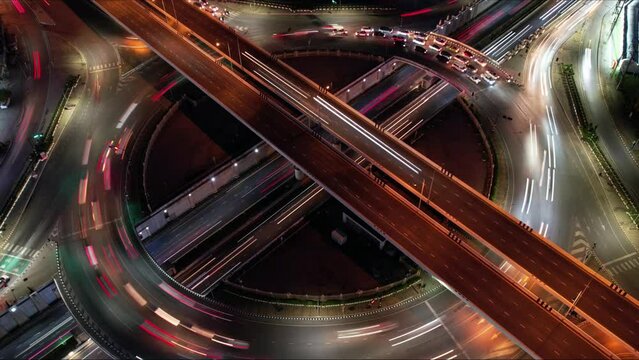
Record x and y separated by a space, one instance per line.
543 167
126 115
175 253
287 215
548 185
554 121
276 181
157 96
494 46
88 250
417 12
406 113
549 120
516 9
37 68
409 131
104 289
18 6
96 215
290 96
155 335
523 205
126 241
190 303
554 152
110 256
108 282
510 42
552 192
482 24
124 141
381 97
227 341
297 33
542 230
189 349
203 332
106 174
551 10
135 295
530 199
429 327
366 331
442 355
558 13
232 255
166 316
87 150
49 345
277 76
368 135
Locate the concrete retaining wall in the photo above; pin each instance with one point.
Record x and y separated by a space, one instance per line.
200 191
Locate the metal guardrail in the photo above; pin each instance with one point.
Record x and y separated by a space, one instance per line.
410 279
326 52
331 8
588 134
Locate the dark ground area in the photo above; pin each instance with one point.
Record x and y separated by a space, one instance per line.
310 262
451 140
198 138
325 70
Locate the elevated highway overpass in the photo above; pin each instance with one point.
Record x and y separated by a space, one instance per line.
600 301
545 333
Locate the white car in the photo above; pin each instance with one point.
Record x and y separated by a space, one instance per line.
340 32
459 67
367 29
474 78
386 30
332 27
487 78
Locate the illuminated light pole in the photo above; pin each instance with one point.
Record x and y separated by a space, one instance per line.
421 194
430 187
577 298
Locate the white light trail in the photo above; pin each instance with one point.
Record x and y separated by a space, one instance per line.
532 189
552 192
429 327
523 204
126 115
551 10
442 355
290 96
491 48
368 135
543 167
274 74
